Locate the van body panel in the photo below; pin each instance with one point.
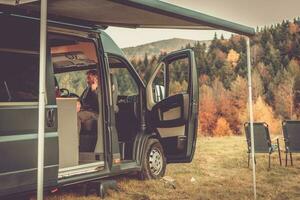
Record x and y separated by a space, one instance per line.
18 119
18 149
109 46
18 168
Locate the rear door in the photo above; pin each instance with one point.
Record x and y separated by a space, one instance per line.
19 86
172 101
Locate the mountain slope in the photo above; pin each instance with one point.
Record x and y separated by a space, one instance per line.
155 48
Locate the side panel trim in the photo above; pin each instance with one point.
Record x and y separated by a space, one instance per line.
11 138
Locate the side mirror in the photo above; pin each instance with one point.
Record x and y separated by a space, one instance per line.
159 93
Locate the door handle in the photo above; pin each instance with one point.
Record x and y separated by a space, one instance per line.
50 118
195 107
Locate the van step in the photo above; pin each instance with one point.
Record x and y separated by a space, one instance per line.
100 187
90 157
80 169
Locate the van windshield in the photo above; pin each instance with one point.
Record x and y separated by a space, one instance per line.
74 81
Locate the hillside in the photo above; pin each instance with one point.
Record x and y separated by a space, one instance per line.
222 70
155 48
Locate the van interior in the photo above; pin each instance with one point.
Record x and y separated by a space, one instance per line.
72 58
125 94
80 151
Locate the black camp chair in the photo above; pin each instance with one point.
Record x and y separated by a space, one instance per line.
262 140
291 134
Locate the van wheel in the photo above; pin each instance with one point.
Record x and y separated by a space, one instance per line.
154 161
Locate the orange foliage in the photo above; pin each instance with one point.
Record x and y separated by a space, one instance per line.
239 93
264 113
208 111
293 28
230 113
203 79
222 128
284 98
225 106
223 112
233 57
177 87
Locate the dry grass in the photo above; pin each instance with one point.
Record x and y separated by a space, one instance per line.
220 172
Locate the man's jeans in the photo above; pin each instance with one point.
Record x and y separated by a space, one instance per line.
86 119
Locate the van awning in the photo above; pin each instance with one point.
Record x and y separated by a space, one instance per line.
128 13
15 2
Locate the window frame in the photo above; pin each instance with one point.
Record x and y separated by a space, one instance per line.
23 103
167 89
130 69
164 67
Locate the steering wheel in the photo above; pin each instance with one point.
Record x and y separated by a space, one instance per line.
64 92
73 95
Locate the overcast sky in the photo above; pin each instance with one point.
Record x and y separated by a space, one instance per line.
247 12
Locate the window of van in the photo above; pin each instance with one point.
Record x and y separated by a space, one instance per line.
127 86
179 76
71 59
74 81
19 77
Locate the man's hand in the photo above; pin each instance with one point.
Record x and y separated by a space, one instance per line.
78 106
94 86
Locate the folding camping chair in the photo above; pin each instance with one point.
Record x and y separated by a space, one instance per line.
291 134
262 140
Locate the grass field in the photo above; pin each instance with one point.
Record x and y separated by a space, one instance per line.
219 171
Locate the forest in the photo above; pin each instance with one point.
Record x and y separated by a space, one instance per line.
223 89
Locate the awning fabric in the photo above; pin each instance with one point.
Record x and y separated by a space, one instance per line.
15 2
128 13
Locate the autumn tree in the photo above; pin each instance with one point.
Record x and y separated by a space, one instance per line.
233 58
239 93
208 111
222 70
256 53
225 107
222 128
257 85
264 113
286 93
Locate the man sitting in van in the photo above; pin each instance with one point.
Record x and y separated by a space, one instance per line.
87 106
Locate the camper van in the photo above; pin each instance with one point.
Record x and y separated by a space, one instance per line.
140 123
101 118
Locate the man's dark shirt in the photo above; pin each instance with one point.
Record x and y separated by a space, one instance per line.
89 100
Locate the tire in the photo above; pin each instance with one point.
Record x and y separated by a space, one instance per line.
154 161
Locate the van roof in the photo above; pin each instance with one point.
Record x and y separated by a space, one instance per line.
126 13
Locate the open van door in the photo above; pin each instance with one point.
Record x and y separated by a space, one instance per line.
172 101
